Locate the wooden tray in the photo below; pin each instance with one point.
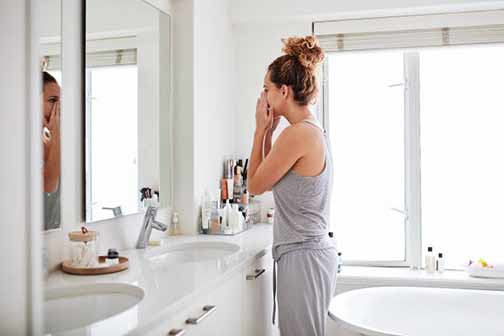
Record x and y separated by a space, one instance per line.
67 267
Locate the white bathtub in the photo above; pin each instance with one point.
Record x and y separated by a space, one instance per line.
415 311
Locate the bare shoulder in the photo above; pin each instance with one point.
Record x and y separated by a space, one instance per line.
300 133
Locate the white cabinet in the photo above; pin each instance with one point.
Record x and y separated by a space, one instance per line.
242 307
223 320
258 298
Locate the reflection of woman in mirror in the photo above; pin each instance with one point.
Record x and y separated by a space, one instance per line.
51 155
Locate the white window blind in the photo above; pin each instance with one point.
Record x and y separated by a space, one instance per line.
96 59
111 57
411 31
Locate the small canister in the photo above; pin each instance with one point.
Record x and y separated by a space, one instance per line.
84 248
112 257
270 215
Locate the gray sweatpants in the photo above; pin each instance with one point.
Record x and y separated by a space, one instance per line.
306 283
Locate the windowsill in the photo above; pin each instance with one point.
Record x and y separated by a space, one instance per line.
361 276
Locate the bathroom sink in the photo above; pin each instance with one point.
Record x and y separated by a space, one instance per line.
193 252
79 306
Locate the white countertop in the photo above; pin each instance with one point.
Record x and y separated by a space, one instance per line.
169 287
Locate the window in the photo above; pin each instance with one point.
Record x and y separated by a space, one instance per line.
413 107
112 153
460 160
462 138
367 138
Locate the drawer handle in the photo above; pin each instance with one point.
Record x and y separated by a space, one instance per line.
207 311
176 332
257 274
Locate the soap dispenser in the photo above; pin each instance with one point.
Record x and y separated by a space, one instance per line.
174 229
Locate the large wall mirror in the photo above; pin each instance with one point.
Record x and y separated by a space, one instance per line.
50 77
127 108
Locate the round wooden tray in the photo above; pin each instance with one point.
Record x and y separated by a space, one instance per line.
67 267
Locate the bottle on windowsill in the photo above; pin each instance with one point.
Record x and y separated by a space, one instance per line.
430 261
440 263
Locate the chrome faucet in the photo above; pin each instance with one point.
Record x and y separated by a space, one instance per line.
148 224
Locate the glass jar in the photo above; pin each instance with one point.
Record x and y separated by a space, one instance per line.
84 248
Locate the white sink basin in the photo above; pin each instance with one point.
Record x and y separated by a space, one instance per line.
193 252
75 307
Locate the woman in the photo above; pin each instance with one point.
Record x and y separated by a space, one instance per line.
51 155
298 168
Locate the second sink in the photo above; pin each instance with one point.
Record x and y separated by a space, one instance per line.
193 252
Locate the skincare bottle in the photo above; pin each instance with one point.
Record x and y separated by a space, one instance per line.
173 229
237 187
339 263
430 261
206 212
215 221
232 219
226 213
229 179
223 190
440 263
245 197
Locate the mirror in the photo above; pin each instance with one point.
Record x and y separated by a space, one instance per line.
127 102
50 74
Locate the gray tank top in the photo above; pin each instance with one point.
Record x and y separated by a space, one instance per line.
302 209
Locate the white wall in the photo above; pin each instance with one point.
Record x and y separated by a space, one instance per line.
14 170
183 118
214 84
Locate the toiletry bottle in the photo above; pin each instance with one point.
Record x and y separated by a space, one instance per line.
206 211
440 263
223 190
227 213
215 221
112 257
245 197
339 263
270 216
430 261
174 227
238 184
232 219
229 179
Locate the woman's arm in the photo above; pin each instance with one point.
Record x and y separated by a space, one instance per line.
268 137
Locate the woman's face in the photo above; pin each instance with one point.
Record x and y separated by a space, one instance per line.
274 96
51 95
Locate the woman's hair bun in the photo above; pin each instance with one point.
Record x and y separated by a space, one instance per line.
306 49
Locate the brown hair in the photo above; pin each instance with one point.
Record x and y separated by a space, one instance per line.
47 78
298 67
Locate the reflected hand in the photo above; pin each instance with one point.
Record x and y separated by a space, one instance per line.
52 150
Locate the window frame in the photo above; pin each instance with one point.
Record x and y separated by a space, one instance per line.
443 19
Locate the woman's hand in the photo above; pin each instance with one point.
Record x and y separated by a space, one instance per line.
264 115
